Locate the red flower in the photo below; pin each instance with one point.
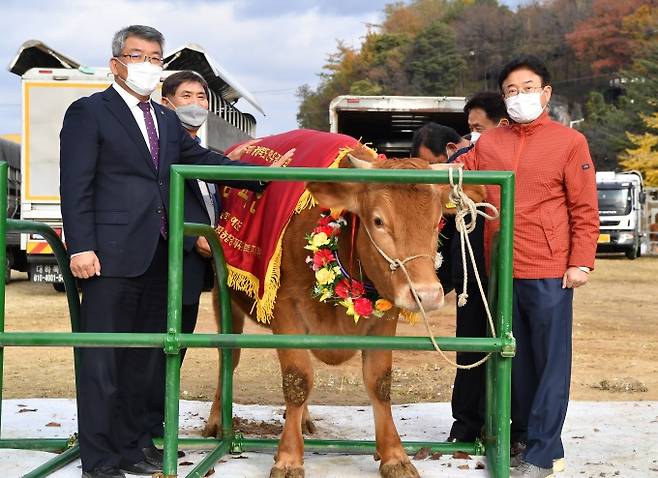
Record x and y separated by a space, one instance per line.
363 306
343 289
328 230
357 288
321 258
381 157
324 221
442 223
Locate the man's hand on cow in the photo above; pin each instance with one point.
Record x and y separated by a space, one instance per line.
85 265
283 160
574 277
202 247
239 151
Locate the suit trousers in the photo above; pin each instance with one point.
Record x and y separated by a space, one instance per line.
155 415
114 383
468 392
541 370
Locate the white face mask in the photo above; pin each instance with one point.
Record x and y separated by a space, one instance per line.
524 107
192 115
143 77
474 137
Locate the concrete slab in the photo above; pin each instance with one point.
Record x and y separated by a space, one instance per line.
602 439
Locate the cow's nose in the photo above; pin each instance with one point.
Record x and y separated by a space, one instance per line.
431 297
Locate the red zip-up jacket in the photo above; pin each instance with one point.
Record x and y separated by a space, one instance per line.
556 219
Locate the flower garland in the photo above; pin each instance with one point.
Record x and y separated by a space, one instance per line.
330 283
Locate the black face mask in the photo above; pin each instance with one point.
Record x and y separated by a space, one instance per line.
459 152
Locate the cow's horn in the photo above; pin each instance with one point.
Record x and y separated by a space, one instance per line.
445 166
359 163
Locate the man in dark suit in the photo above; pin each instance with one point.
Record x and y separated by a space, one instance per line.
186 92
484 111
117 147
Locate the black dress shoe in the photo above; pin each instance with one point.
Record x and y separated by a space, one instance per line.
104 472
140 468
153 456
517 448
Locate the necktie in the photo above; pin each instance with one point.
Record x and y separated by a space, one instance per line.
155 153
212 189
152 134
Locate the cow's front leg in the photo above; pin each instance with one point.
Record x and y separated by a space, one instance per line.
377 377
213 426
297 380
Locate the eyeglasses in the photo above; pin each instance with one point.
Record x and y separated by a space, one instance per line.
526 89
138 58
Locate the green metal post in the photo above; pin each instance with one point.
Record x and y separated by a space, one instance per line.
502 363
3 264
55 463
72 297
226 324
498 369
174 311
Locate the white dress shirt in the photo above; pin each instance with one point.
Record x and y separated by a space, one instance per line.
132 103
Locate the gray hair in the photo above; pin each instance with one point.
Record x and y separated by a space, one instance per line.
140 31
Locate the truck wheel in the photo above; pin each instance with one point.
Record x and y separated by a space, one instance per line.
632 253
59 286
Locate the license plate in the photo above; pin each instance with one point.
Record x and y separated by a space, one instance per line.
604 239
46 273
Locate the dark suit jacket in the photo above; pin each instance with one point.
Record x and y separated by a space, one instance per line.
112 194
197 270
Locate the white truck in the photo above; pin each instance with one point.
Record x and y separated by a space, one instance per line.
388 122
50 83
621 212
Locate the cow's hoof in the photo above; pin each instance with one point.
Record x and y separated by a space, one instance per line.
399 470
308 427
287 472
211 430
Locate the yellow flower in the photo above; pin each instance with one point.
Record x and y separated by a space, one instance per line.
325 276
349 306
319 239
383 305
326 294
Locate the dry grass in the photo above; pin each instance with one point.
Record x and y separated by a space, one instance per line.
615 357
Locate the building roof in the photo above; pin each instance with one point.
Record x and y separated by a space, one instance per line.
36 54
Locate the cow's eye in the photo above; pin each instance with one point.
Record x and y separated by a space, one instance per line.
378 222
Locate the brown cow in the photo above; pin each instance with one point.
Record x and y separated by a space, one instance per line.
403 220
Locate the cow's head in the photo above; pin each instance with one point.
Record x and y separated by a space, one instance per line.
401 219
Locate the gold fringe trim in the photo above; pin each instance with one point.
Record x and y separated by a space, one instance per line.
409 317
248 283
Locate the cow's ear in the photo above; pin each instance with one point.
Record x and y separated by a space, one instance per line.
476 192
335 195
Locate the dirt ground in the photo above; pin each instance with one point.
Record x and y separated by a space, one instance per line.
615 353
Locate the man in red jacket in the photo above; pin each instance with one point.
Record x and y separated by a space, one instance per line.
556 226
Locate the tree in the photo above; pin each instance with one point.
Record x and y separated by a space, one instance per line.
340 72
382 57
605 128
486 36
643 155
641 26
600 40
434 66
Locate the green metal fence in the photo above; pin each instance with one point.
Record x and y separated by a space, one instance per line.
496 442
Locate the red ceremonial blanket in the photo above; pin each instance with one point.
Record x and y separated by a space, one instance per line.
251 225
